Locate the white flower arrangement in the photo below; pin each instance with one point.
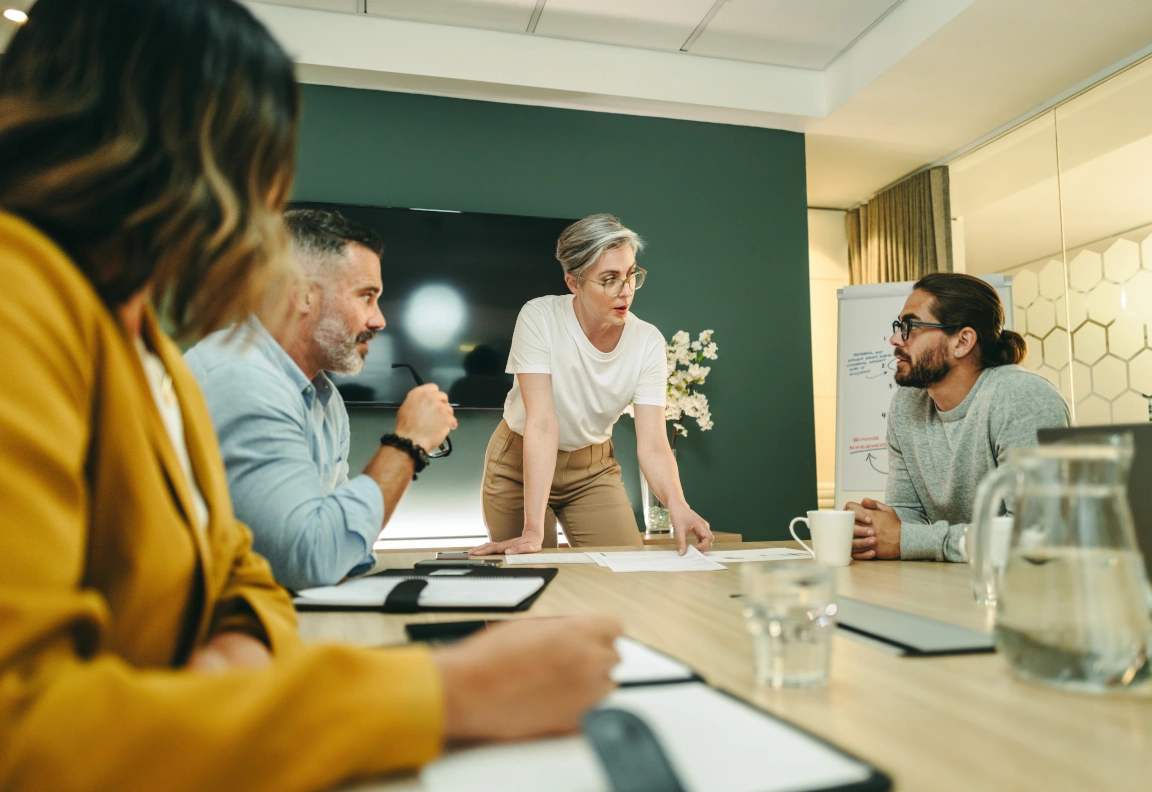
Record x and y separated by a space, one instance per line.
683 399
684 375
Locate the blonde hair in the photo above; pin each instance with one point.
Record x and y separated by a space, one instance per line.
154 140
585 241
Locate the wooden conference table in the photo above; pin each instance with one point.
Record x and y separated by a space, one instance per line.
948 723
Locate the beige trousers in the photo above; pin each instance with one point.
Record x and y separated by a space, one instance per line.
587 494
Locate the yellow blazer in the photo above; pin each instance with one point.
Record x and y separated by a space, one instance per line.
106 588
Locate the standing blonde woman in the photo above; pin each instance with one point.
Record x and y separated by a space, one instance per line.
146 151
579 360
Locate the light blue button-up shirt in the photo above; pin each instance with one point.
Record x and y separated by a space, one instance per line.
285 444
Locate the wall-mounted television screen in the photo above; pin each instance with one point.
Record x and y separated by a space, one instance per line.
454 283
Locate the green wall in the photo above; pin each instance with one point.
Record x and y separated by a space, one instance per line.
723 210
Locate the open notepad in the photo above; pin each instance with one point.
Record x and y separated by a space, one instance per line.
639 664
445 589
712 742
684 731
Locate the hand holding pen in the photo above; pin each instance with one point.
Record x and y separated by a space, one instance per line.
425 417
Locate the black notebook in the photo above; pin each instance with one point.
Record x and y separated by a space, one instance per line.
411 591
916 636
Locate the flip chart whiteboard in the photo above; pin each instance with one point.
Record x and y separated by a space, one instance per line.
865 382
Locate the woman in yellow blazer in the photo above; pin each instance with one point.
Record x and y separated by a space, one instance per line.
145 154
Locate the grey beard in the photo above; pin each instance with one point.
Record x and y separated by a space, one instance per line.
340 352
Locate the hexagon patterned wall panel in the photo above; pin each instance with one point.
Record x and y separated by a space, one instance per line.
1092 341
1042 318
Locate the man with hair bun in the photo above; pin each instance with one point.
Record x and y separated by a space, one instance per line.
963 402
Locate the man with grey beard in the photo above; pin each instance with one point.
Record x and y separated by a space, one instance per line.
282 424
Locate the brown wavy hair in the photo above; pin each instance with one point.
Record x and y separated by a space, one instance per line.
960 301
154 141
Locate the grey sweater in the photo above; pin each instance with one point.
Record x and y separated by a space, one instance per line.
936 459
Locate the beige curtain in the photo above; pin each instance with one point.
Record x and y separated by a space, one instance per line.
903 233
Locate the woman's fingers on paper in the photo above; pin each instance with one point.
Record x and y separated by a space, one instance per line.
704 533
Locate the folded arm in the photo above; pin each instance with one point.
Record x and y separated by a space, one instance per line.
880 526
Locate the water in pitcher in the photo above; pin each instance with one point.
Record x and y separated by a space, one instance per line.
1075 617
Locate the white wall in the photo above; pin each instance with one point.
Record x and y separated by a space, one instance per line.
1063 203
827 272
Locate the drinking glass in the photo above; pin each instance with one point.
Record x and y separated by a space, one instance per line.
790 609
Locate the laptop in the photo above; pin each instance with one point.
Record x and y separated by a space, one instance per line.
1139 478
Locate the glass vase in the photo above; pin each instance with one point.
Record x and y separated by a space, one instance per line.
656 517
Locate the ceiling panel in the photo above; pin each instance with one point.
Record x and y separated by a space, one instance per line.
804 33
843 171
508 15
653 24
349 6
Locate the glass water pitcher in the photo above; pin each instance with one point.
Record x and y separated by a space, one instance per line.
1071 600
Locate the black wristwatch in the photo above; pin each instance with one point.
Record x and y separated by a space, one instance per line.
418 454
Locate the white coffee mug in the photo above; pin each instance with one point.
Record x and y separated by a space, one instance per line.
831 536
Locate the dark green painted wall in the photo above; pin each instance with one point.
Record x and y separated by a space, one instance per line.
723 210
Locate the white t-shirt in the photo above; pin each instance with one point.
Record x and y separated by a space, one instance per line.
591 388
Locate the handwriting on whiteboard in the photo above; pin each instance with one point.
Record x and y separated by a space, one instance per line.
872 443
870 365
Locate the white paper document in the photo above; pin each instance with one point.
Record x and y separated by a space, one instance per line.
540 559
448 592
640 663
764 554
713 742
560 764
655 561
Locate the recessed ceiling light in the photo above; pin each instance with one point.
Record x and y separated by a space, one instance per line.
16 15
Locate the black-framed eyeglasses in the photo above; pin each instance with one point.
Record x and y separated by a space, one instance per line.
613 286
445 448
904 327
